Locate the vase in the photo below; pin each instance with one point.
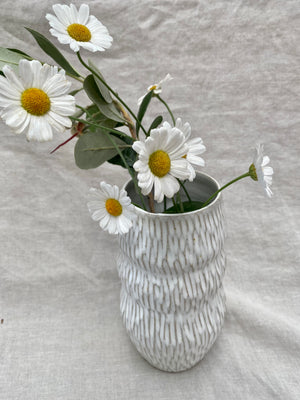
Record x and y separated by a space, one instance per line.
171 268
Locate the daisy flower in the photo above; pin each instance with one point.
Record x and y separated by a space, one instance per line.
260 171
161 161
156 88
112 208
195 145
36 101
78 28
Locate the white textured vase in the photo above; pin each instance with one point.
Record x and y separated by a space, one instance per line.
171 268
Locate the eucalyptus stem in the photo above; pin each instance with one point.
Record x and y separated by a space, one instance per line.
185 191
105 128
225 186
167 107
111 90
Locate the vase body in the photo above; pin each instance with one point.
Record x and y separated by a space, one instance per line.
171 268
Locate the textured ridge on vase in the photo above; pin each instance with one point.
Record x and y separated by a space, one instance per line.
172 299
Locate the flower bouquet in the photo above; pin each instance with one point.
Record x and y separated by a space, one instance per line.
168 217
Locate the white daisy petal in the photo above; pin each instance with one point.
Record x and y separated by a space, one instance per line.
12 78
83 14
161 160
195 146
112 208
259 171
78 29
156 87
27 106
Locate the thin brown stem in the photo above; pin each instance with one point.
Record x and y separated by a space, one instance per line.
151 202
128 119
65 142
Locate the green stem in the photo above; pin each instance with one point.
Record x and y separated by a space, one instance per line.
180 202
185 191
225 186
121 146
105 128
80 79
127 166
174 203
111 90
165 203
167 107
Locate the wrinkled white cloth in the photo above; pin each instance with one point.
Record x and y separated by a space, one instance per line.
235 65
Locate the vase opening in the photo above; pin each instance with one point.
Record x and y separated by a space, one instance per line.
201 189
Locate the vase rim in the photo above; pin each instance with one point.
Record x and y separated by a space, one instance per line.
204 209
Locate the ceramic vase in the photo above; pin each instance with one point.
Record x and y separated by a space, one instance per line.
171 268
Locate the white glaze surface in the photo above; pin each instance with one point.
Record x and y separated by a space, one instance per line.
172 298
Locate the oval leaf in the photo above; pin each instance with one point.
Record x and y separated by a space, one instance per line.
142 109
109 110
102 88
94 148
53 52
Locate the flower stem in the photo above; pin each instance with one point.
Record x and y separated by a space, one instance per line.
110 89
225 186
174 203
128 168
185 191
167 107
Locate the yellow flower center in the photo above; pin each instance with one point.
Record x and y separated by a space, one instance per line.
252 172
159 163
79 32
113 207
153 87
35 101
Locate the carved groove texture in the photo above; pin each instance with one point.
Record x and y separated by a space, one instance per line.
172 298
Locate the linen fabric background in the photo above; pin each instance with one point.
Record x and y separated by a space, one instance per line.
236 71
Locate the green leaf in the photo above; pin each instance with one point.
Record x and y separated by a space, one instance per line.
128 153
94 148
155 123
109 110
53 52
21 52
187 206
102 88
74 92
143 108
10 57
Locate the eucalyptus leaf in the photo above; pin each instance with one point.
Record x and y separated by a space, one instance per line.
142 109
157 121
10 57
109 110
102 88
53 52
94 148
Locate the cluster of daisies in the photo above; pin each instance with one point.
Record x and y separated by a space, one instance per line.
36 100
